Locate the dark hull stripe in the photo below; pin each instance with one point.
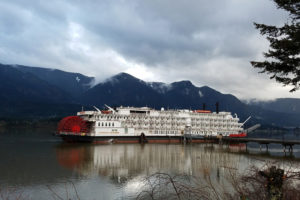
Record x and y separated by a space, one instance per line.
132 139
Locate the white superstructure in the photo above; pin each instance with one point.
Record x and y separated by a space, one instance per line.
134 121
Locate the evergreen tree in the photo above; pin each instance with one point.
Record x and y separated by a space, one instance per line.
283 58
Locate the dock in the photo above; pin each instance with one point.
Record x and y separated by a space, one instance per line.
262 141
286 144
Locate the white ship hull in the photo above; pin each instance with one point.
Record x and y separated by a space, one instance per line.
133 125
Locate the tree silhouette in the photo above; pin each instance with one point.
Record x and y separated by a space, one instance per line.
283 58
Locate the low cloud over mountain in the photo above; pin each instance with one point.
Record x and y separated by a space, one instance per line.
39 92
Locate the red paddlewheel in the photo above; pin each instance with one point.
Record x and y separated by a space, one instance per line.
73 124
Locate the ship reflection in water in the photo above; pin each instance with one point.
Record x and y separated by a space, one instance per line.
122 162
33 160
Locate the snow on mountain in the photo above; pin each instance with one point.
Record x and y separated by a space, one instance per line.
200 94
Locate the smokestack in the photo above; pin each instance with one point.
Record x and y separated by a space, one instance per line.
203 106
217 107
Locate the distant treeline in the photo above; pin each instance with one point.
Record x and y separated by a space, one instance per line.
50 123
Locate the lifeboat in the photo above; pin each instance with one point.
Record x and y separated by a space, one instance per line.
202 111
106 112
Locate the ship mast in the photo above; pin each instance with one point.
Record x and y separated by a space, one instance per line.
109 108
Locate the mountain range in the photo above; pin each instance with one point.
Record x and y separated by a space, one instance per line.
35 93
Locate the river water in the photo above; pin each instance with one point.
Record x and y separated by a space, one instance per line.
36 165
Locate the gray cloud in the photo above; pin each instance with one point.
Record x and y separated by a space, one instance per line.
208 42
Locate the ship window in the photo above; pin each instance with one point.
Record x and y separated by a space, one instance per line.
109 124
138 111
102 124
113 124
106 124
98 123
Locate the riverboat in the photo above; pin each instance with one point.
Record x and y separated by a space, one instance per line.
147 125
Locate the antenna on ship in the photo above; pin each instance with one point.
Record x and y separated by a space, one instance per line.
97 109
217 107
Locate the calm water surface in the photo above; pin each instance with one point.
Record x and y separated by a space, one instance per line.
39 165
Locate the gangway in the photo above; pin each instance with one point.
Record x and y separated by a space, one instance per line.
252 128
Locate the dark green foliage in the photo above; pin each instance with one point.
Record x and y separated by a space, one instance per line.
274 178
17 86
25 95
283 58
72 83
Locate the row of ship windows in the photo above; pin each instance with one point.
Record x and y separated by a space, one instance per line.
201 125
160 118
166 132
204 128
111 124
184 121
111 117
106 124
179 132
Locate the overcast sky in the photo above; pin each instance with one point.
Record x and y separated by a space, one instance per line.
208 42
